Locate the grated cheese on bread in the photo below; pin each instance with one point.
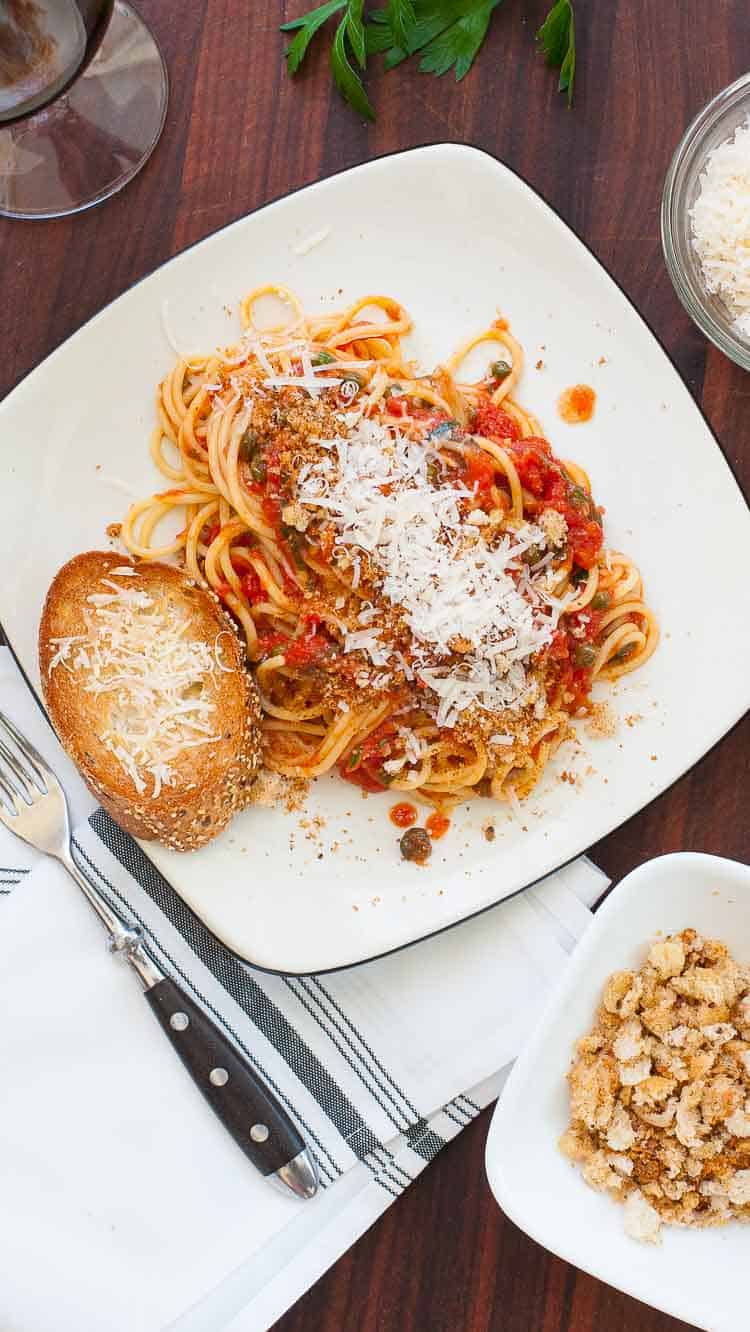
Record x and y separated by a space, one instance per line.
144 680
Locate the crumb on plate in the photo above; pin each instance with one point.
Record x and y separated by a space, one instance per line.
271 788
602 721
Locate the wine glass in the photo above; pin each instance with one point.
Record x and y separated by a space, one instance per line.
83 96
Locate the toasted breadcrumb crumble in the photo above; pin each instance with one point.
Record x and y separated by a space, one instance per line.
660 1089
602 722
271 788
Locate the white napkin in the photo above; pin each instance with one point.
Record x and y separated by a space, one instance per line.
116 1177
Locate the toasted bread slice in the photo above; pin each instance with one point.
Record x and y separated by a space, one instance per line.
144 679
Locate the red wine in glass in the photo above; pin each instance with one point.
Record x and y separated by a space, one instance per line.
83 93
44 46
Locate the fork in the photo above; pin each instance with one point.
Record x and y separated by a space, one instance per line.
33 806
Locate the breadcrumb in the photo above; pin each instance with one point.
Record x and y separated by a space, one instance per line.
660 1089
271 788
602 722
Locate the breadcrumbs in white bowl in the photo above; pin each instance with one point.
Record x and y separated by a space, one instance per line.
635 1064
660 1089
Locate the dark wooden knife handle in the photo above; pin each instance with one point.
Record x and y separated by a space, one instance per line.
245 1107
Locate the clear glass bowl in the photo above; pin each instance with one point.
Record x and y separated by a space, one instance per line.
713 125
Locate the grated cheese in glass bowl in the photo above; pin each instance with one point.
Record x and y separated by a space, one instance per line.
705 221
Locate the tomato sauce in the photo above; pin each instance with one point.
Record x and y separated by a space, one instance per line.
479 471
437 825
360 776
363 764
271 509
403 814
269 643
576 404
251 586
291 588
310 646
494 423
542 475
574 653
271 503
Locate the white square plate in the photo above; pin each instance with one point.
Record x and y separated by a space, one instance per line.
454 235
697 1275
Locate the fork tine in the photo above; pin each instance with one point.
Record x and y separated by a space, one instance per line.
14 774
25 747
9 807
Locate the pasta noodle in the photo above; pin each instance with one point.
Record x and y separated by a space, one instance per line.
422 585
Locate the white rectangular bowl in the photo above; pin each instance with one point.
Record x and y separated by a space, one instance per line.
454 235
697 1275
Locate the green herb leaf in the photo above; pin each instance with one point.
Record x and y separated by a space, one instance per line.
458 44
307 26
378 34
448 33
401 18
355 31
556 41
345 76
445 34
432 17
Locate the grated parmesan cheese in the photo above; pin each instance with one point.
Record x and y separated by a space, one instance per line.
374 486
720 220
137 651
304 247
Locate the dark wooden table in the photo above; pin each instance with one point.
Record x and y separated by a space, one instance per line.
238 134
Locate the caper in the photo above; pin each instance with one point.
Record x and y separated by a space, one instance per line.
416 845
249 444
296 544
500 369
601 600
584 656
625 652
445 428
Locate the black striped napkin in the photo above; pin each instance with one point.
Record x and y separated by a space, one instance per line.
380 1065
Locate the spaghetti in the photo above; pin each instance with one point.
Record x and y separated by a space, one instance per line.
422 584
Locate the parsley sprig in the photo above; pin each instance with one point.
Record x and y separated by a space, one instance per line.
444 34
556 40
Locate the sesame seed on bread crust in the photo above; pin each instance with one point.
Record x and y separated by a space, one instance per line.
207 783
